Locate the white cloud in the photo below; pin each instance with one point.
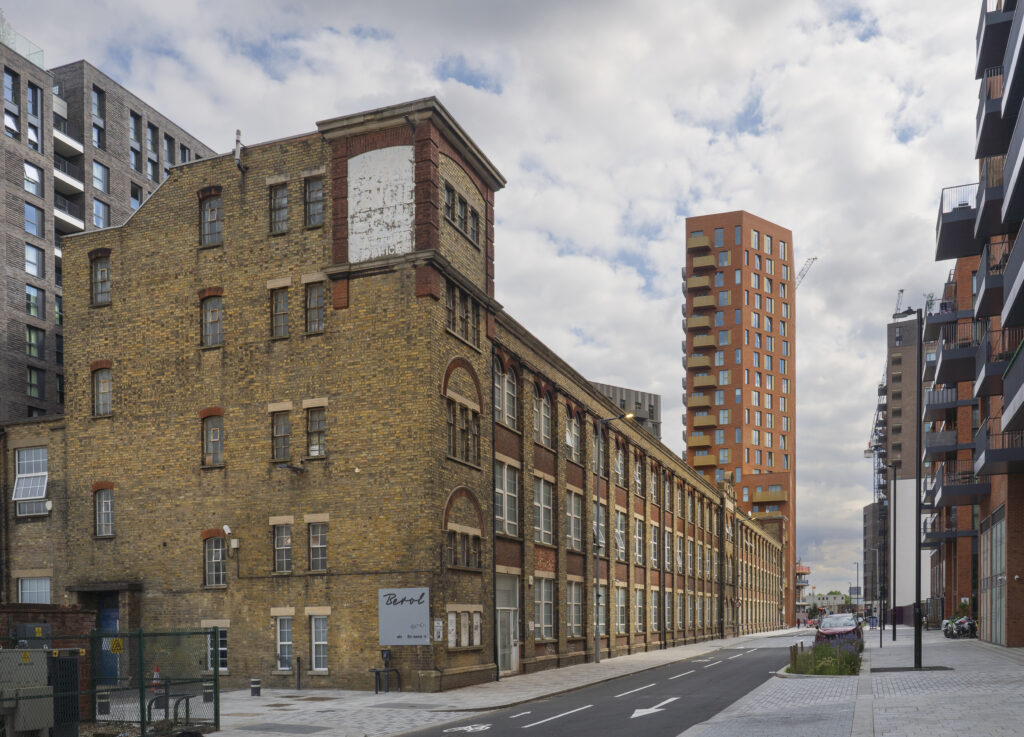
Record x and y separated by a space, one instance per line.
614 121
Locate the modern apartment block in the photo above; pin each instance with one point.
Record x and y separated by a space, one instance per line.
974 426
80 152
890 521
741 366
644 406
273 324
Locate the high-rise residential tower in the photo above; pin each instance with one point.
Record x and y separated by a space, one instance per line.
741 366
81 152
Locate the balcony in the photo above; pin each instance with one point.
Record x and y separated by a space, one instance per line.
699 440
938 444
938 403
698 400
1013 85
770 496
957 485
67 213
701 381
1013 288
695 283
67 176
934 532
992 131
989 219
703 303
994 353
998 451
957 346
698 360
993 31
988 301
698 243
703 461
64 144
945 312
1013 394
928 362
708 420
698 322
703 341
954 231
703 262
1013 195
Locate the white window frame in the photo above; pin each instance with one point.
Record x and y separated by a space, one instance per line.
543 511
218 651
318 546
574 604
574 521
318 642
506 476
214 562
283 644
638 541
103 502
544 609
282 548
30 481
35 590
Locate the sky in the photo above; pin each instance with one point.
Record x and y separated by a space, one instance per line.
612 122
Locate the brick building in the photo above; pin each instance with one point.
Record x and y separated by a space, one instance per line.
80 152
740 367
301 391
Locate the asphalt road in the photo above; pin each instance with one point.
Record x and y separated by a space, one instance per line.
663 701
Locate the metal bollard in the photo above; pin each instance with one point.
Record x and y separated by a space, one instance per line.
207 692
254 686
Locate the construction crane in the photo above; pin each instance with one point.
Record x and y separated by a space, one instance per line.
803 271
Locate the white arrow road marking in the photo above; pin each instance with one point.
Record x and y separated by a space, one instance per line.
557 716
712 664
672 678
651 710
735 656
520 714
627 693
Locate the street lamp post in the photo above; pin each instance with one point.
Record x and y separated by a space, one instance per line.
597 532
858 587
878 598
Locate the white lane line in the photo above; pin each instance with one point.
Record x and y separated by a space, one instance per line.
751 649
672 678
627 693
557 716
520 714
735 656
711 664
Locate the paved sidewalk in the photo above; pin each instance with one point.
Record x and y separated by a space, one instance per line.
336 713
982 693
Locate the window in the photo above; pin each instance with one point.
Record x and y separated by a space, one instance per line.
639 611
60 386
689 557
318 546
315 295
136 201
506 499
284 643
668 549
102 392
543 527
280 436
279 313
12 125
33 179
463 432
655 614
573 439
58 309
34 590
31 472
34 223
314 201
104 503
135 160
621 609
316 432
638 541
213 441
210 221
217 651
213 325
620 536
462 314
574 521
574 601
34 342
101 280
719 279
99 136
215 566
680 554
505 396
282 548
100 177
459 213
100 213
184 153
34 379
168 150
544 609
318 639
719 358
600 524
541 418
279 208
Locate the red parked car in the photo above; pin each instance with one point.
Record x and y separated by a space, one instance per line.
840 628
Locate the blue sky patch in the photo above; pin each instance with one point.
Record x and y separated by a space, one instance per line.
456 67
749 119
371 33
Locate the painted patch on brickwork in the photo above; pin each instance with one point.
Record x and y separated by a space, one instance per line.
381 203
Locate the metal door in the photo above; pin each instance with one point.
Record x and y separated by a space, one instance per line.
109 621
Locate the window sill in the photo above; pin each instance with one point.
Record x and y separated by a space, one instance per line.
465 463
555 451
545 641
281 672
314 458
276 461
216 347
102 537
101 417
313 226
98 305
206 246
463 340
276 233
212 467
542 544
508 536
466 569
280 573
460 231
508 427
278 337
215 587
467 648
321 672
31 517
311 333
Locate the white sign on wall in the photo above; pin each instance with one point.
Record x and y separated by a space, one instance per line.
381 203
403 616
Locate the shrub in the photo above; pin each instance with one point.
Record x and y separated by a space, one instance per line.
827 660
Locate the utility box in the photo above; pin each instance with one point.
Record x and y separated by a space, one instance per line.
26 701
34 636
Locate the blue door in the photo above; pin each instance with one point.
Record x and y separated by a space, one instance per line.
109 620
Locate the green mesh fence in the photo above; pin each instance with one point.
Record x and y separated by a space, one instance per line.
114 683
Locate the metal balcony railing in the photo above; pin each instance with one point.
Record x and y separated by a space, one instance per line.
992 171
940 396
959 197
72 170
1002 344
943 437
959 472
998 254
62 203
992 84
1000 440
962 335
